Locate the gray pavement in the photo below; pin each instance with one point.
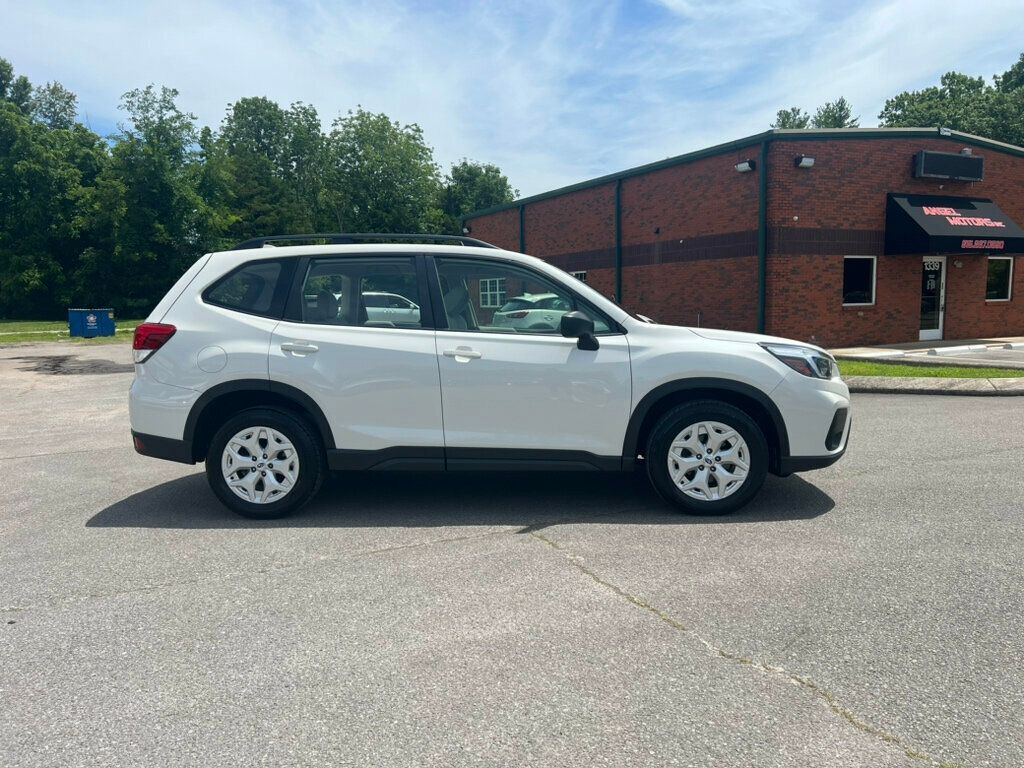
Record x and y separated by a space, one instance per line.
931 385
1004 352
865 615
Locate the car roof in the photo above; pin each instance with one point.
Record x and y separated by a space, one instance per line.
227 260
359 249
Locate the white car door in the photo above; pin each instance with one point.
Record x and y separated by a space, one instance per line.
376 382
513 391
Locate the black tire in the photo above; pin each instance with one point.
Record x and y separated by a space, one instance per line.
312 465
683 416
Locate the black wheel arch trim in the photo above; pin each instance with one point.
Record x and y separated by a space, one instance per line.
302 401
630 445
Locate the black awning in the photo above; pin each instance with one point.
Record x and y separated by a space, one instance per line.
918 224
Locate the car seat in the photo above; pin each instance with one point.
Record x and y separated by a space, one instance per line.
456 307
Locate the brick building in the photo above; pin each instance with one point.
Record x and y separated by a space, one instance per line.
852 236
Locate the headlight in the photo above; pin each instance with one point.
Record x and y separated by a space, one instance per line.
809 362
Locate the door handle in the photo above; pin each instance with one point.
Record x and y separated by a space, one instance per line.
463 353
299 347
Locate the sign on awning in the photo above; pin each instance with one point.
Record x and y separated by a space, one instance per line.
920 224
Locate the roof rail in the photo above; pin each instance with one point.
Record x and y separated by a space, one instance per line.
356 237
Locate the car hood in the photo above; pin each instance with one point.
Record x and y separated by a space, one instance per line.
714 334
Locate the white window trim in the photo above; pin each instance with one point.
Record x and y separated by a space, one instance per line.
1009 286
874 281
497 291
580 275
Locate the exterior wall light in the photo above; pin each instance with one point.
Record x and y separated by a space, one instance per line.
466 229
746 166
803 161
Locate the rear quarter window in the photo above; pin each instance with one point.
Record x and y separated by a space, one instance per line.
251 288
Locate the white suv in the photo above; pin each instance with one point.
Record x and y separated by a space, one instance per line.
533 313
266 363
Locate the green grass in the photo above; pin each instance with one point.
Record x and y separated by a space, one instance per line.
871 368
41 331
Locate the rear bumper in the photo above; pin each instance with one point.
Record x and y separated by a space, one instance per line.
165 448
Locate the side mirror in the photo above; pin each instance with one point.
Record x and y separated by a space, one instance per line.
577 325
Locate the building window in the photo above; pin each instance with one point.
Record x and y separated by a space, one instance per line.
492 292
858 281
1000 278
581 276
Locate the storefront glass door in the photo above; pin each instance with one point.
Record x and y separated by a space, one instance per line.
933 296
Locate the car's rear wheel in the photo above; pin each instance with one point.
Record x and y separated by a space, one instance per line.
707 457
264 463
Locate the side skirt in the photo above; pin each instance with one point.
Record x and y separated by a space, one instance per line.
420 459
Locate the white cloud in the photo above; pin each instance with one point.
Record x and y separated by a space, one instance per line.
553 92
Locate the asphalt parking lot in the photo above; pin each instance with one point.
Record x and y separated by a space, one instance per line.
866 615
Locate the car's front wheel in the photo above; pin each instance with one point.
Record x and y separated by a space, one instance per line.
707 457
264 463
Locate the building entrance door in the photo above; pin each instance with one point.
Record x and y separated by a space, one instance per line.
933 297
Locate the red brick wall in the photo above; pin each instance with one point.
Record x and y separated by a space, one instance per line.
805 301
973 317
706 197
846 190
500 229
702 258
578 222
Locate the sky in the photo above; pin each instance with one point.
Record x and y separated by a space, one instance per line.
552 92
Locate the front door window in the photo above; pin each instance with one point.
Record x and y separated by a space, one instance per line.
932 297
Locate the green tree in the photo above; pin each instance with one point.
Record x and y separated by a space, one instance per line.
470 186
835 114
6 78
147 210
306 162
965 103
47 179
831 114
90 221
253 139
1011 79
954 103
54 105
794 117
381 176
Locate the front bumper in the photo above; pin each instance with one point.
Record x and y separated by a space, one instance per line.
817 418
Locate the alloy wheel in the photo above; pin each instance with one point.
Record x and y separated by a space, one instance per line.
260 465
708 461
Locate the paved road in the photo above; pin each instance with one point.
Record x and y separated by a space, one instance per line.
866 615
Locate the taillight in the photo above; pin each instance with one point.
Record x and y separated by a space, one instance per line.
149 337
517 315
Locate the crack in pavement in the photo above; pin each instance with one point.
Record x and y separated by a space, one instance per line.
804 683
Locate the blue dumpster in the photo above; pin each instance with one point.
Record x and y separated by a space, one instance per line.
91 322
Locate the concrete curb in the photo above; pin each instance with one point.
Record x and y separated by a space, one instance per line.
963 348
914 385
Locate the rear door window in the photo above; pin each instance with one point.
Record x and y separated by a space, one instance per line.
380 292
